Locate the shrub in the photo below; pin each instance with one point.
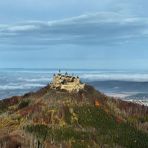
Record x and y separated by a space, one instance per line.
23 103
3 107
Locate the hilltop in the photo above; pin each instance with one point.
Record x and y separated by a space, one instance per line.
70 114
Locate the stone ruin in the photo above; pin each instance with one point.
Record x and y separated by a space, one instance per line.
67 82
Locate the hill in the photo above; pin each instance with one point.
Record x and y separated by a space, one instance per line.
56 116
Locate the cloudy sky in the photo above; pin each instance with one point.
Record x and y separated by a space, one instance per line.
92 34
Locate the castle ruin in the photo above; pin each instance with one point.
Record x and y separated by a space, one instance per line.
67 82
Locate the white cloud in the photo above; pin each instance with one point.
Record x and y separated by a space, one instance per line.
22 28
98 28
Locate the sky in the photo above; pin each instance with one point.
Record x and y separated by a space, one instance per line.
89 34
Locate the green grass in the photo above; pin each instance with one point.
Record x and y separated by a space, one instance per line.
59 134
78 138
106 130
40 131
111 131
94 117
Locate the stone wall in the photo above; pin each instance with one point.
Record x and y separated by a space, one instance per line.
67 82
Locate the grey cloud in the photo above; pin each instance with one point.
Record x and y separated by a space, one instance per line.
99 28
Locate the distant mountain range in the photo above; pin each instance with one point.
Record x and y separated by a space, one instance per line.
120 86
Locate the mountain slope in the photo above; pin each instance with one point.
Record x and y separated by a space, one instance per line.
57 118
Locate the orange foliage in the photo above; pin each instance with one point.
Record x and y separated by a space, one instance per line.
97 103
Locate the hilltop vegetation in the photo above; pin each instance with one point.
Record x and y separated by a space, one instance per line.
56 118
